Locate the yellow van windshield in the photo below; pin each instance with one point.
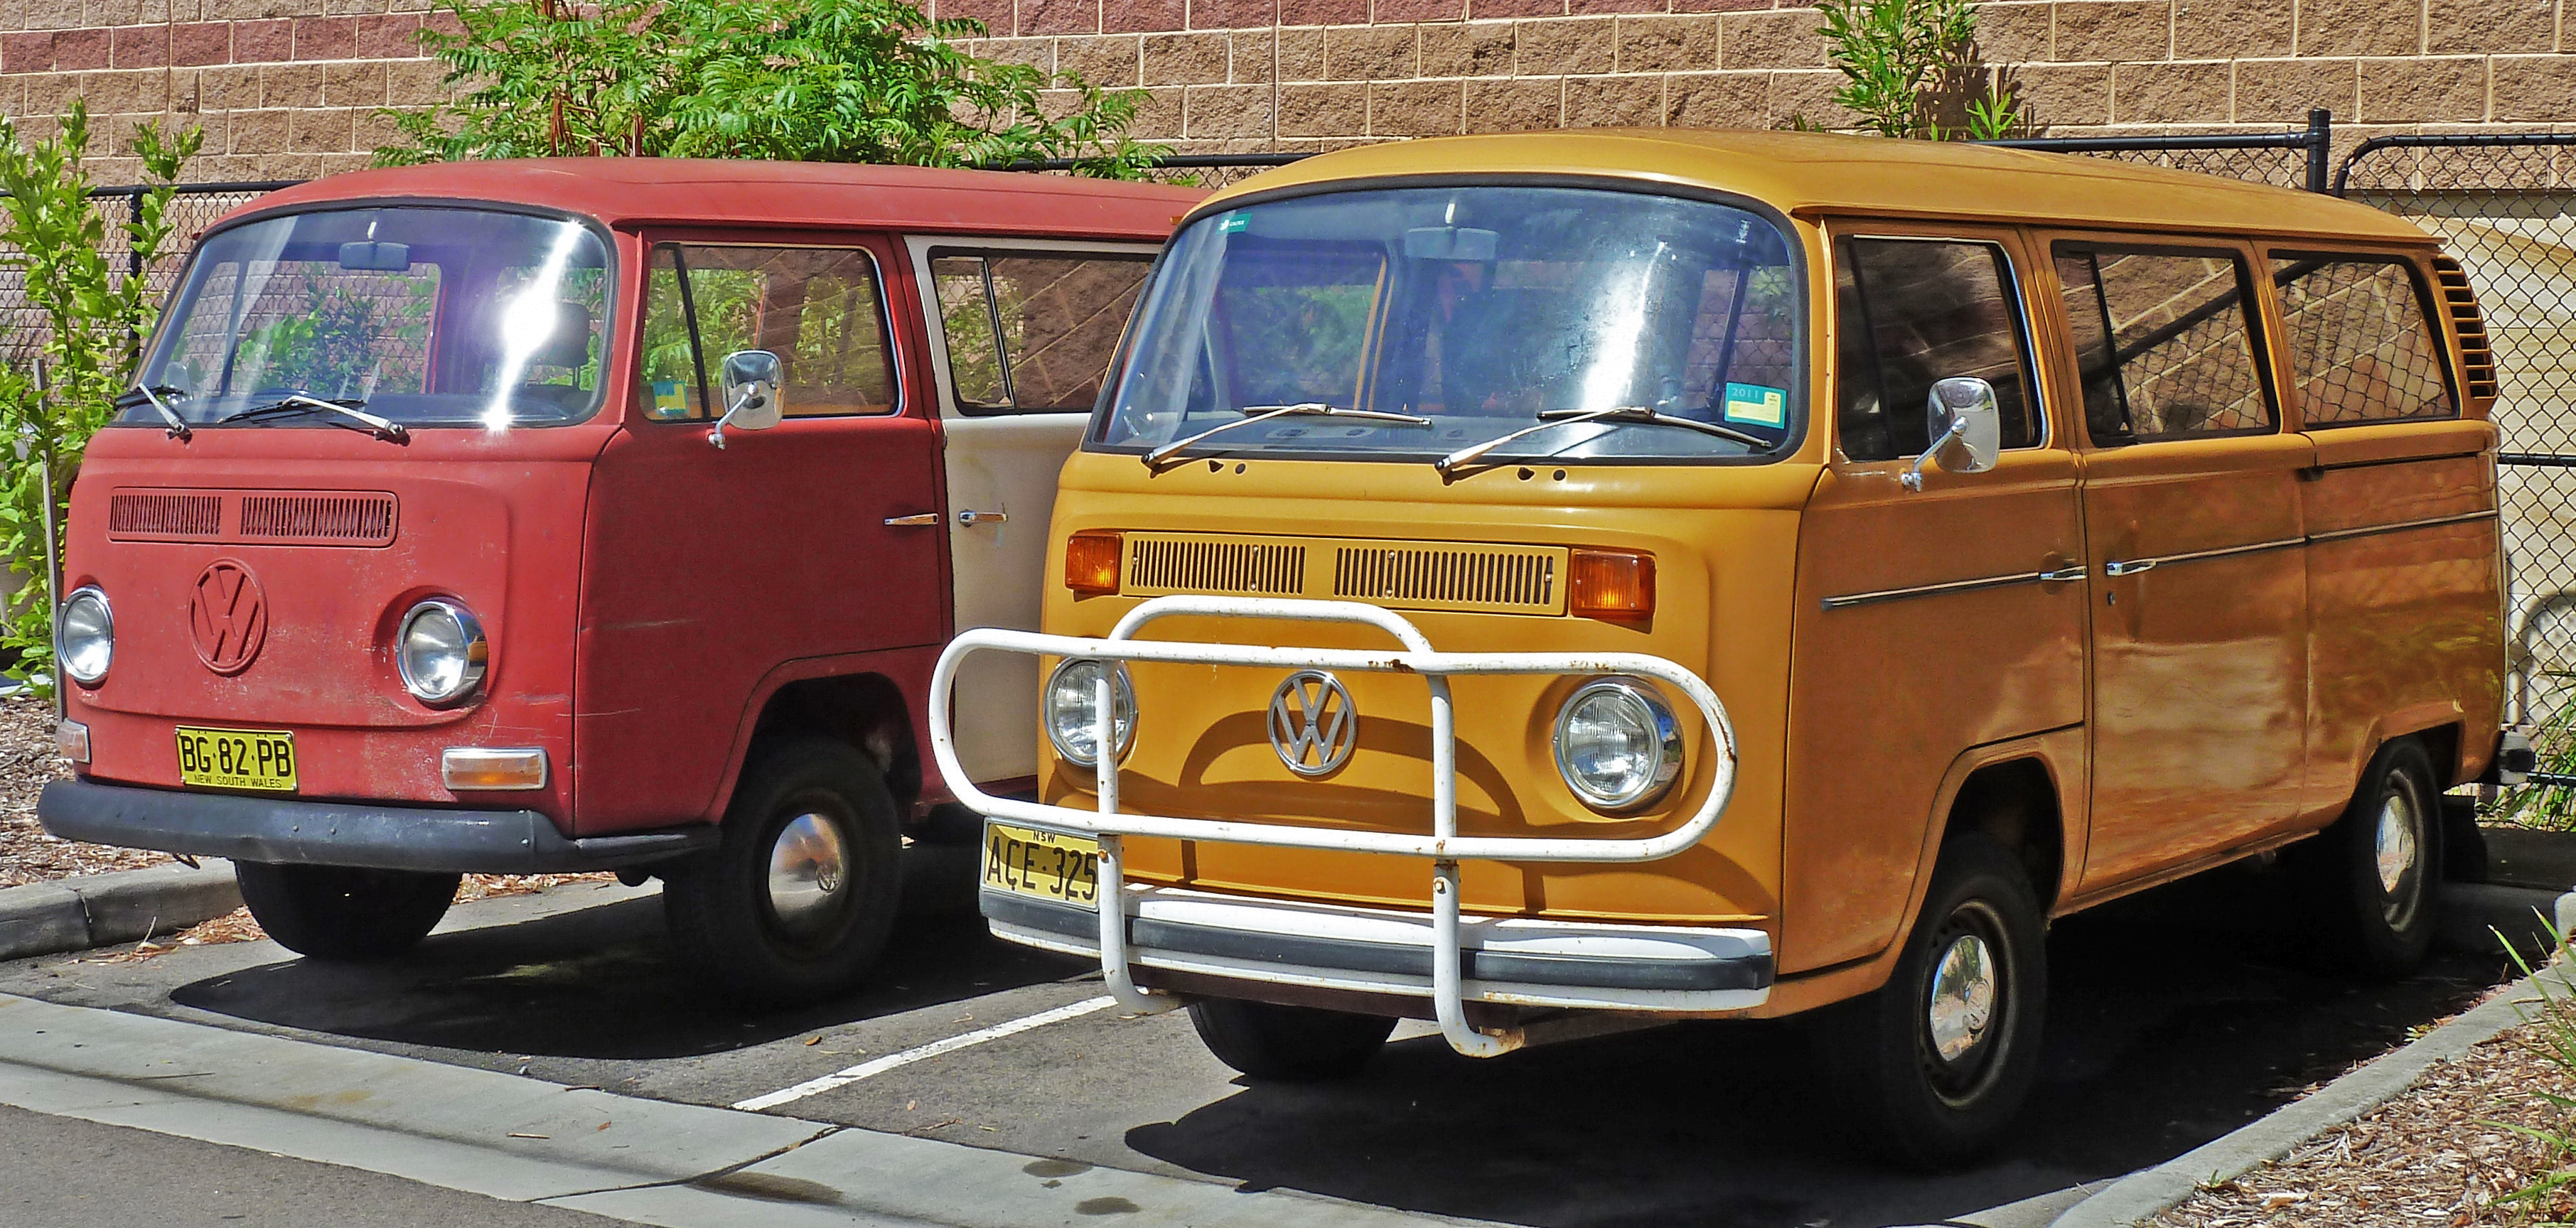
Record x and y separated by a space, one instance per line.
1475 312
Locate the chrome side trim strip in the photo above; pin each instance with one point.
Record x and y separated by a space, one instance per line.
2402 526
1954 586
2131 567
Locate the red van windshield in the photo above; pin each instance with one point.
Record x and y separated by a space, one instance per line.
422 315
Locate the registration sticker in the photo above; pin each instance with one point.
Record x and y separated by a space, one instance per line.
668 400
1757 404
1234 224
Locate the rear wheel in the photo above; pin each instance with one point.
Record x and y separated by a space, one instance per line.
796 902
341 912
1935 1064
2373 873
1288 1044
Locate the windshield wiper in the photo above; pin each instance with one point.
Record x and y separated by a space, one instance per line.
297 403
1304 409
151 394
1619 414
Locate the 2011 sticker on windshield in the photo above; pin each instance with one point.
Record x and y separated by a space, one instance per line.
1757 405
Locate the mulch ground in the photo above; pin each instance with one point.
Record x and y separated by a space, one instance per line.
2452 1150
29 855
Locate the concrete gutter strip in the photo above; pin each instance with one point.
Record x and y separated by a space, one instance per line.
2143 1194
649 1161
75 914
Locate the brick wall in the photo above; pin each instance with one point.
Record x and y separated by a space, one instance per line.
288 88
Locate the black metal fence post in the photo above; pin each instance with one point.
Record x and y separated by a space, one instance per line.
2320 147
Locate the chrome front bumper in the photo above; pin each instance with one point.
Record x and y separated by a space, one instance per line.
1514 961
1441 932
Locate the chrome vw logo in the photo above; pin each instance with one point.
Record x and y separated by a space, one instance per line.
227 617
1312 723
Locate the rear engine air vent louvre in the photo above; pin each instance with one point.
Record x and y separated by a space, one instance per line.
319 519
2476 352
1463 577
1259 568
149 516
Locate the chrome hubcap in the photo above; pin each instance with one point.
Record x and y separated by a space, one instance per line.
807 869
2394 844
1963 997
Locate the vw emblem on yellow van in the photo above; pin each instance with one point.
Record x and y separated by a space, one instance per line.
1312 723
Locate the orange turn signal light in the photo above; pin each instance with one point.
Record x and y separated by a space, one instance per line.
1091 562
1616 585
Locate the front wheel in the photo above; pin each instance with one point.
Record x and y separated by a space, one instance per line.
1288 1044
796 902
341 912
1934 1065
2372 873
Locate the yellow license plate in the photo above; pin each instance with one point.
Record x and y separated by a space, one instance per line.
1045 864
261 759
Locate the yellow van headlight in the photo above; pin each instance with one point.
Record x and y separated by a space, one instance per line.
1617 744
1072 714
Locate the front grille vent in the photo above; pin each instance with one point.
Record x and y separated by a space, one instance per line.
1265 569
1464 577
350 519
2476 352
254 518
1470 577
147 516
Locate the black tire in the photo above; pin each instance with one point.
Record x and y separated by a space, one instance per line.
2372 877
344 913
819 938
1288 1044
1930 1095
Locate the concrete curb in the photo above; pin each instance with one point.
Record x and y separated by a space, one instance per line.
96 910
646 1161
2144 1193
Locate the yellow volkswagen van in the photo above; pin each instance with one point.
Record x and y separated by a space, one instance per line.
1544 581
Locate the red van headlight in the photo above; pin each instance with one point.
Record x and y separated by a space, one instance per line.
441 652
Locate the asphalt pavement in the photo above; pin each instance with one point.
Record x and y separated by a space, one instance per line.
2176 1017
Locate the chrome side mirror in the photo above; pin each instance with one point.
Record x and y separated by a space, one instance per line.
752 403
1966 425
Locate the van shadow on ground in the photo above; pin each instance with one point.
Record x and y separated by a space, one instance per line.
597 983
2175 1017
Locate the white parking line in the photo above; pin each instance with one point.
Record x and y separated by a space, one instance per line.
891 1061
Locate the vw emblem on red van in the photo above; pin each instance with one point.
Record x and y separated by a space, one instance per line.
227 617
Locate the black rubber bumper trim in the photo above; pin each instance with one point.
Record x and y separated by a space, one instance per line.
1747 972
345 833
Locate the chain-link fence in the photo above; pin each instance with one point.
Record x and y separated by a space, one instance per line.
2505 205
193 207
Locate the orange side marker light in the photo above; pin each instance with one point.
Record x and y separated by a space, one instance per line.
1614 585
1091 562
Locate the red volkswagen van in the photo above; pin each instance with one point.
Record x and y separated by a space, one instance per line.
584 514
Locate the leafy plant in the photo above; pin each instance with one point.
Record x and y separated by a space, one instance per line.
2554 1042
1910 70
94 319
2553 807
812 80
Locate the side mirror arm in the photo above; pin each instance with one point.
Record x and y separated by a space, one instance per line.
750 399
1913 478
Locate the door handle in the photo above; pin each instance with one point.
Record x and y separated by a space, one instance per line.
969 519
918 520
2128 569
2063 575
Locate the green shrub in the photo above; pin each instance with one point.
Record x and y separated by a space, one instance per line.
1910 70
807 80
94 321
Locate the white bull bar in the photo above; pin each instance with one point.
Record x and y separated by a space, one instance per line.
1444 846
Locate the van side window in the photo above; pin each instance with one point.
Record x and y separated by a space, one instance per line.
2359 345
2162 345
1910 312
818 309
1032 333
